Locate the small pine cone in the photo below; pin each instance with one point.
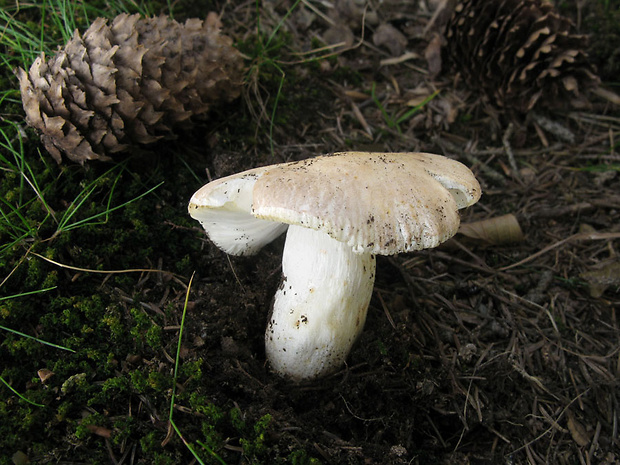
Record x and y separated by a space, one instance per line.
126 83
520 53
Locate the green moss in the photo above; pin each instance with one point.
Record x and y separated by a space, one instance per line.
145 330
150 443
20 347
184 266
123 429
300 457
153 337
253 444
82 431
159 381
36 273
192 370
203 406
64 411
236 419
212 439
73 383
139 381
112 320
163 459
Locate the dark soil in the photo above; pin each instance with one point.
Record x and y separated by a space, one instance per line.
478 352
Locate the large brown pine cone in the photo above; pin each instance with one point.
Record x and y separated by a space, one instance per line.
520 53
129 82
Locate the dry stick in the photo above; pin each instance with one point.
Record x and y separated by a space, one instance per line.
594 445
87 270
475 257
574 237
486 169
559 416
555 128
386 310
467 397
472 159
475 266
534 304
511 156
558 212
21 260
360 42
360 118
430 420
318 12
232 268
438 10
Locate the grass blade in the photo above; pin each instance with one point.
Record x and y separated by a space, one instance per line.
174 386
18 394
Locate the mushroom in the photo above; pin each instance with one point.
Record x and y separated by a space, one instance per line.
340 210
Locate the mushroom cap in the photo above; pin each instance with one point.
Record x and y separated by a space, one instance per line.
380 203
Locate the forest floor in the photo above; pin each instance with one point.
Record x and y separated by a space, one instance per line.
498 349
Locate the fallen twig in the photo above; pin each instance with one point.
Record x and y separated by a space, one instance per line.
575 237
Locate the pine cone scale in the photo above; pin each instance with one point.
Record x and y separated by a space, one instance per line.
519 53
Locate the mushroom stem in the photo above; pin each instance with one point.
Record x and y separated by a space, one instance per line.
321 305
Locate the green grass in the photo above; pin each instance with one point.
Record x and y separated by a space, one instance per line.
394 121
266 49
15 221
277 91
2 328
600 168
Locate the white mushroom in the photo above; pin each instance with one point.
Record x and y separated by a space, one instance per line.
340 210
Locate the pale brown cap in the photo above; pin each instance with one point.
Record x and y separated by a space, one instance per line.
380 203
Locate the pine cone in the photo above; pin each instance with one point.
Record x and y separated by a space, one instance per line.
128 83
520 53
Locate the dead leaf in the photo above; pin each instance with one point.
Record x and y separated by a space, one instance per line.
432 53
499 230
19 458
602 278
45 375
418 95
389 37
100 431
607 95
340 37
577 430
400 59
